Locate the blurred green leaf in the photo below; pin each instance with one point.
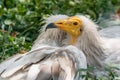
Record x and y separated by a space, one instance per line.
8 22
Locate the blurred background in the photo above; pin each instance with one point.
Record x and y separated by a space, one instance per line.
21 20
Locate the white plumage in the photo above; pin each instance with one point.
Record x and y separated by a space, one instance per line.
100 51
110 32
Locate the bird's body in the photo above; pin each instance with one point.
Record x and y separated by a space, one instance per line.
110 32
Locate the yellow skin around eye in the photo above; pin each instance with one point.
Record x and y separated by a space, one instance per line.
71 25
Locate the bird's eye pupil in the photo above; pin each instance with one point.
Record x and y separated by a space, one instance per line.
75 23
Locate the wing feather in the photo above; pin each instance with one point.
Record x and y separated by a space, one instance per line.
48 63
24 61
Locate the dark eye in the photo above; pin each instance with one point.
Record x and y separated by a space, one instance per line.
75 23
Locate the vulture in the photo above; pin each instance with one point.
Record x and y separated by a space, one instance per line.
99 51
65 45
51 58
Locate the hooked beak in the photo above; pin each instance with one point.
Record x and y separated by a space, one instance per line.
71 25
51 25
58 24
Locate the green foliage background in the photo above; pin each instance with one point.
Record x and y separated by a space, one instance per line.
20 20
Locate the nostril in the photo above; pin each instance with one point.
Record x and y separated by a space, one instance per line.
59 23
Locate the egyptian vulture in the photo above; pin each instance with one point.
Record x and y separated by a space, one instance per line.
51 58
75 39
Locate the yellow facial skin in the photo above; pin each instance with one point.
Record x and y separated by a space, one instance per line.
71 25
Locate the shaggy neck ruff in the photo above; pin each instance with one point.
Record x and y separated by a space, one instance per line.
91 43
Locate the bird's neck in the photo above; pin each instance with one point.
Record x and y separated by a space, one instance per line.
91 45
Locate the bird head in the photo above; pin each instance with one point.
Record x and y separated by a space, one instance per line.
71 25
